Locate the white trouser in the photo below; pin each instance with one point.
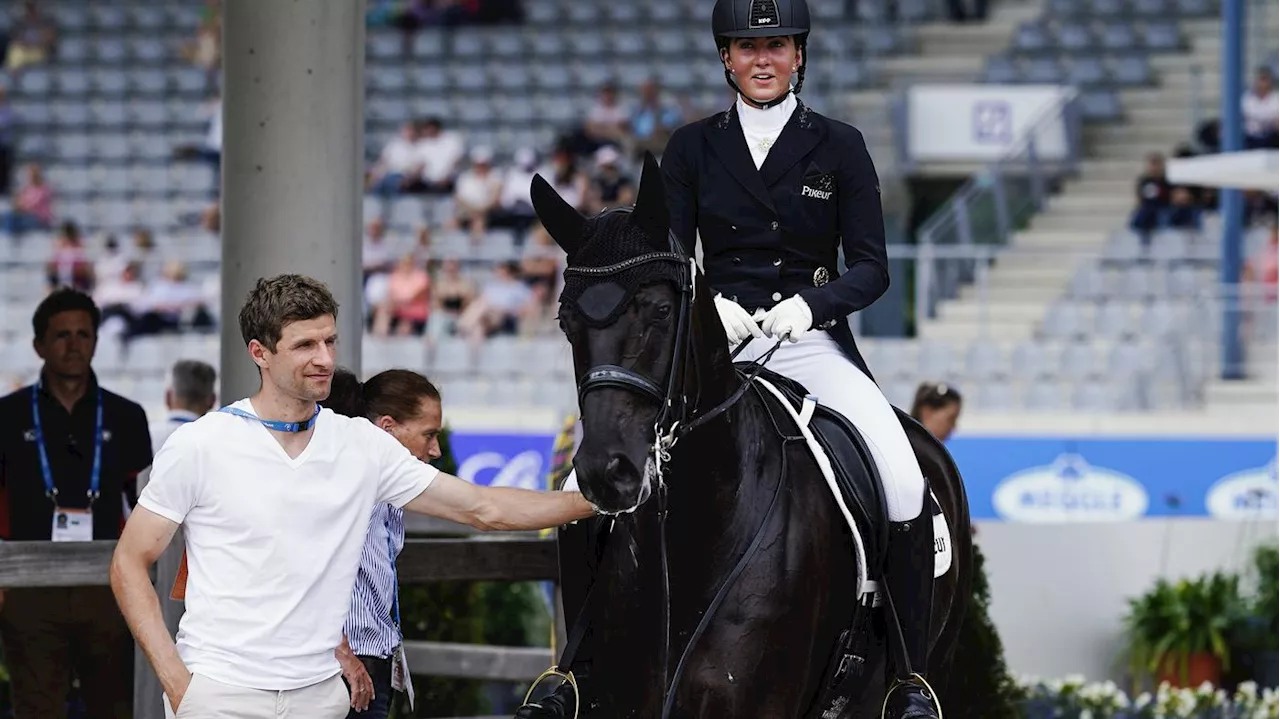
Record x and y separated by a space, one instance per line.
208 699
817 362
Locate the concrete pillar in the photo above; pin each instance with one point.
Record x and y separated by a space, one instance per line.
292 161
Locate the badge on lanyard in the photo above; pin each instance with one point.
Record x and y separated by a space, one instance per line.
69 525
401 680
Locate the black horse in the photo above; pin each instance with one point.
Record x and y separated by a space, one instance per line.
723 580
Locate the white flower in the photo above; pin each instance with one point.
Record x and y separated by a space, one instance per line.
1142 701
1086 714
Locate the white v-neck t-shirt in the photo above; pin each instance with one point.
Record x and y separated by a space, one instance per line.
273 543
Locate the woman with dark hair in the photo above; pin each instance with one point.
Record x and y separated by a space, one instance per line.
937 406
406 405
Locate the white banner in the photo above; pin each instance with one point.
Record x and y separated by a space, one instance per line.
981 123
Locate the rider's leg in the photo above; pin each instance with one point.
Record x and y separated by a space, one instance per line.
817 362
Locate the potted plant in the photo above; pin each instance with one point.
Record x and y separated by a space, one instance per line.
1256 637
1178 630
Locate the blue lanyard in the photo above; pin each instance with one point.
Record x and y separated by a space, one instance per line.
95 475
395 578
274 424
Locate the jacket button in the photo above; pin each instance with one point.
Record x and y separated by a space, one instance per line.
773 225
737 260
777 262
777 296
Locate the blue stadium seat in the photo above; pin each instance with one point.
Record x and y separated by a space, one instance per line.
1118 35
1152 8
1162 35
1043 70
1033 37
1100 105
1085 72
1076 37
1000 69
1131 70
1108 8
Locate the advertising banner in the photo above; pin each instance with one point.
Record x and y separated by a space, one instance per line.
504 459
982 123
1059 480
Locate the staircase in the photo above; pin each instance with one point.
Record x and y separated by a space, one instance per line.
1075 223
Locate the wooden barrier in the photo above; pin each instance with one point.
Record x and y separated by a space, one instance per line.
498 558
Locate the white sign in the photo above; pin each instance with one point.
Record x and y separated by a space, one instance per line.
1070 490
981 123
1250 494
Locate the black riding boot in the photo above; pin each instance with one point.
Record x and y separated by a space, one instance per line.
909 577
559 705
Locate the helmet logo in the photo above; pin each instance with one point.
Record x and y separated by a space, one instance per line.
764 13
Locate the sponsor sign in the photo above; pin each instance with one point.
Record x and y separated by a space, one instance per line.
985 122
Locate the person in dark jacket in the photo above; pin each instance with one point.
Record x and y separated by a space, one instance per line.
775 190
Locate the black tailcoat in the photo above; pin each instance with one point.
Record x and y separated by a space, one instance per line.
775 232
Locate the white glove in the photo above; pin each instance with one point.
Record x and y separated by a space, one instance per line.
738 325
791 316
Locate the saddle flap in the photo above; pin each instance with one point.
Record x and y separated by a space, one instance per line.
854 467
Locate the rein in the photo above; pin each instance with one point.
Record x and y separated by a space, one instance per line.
670 426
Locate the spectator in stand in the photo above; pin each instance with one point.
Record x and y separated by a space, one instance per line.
33 204
393 171
118 295
1152 194
70 265
171 303
452 294
653 121
144 245
502 303
32 38
406 307
541 261
440 154
1258 287
515 207
1261 110
377 256
562 173
610 187
7 141
1182 213
205 49
476 194
606 123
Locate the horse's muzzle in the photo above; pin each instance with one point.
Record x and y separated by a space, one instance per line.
614 483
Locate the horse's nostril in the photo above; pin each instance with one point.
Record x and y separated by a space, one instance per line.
612 466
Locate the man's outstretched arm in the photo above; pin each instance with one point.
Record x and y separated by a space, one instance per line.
145 537
499 508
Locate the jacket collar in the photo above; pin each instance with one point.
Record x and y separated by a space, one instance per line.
798 137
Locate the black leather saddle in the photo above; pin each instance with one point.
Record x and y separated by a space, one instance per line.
854 467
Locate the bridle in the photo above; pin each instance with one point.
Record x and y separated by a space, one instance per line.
673 420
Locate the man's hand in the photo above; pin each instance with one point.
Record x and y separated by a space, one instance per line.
353 670
176 695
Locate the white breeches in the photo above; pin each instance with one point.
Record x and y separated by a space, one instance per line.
817 362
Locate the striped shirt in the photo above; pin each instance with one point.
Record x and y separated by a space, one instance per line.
371 630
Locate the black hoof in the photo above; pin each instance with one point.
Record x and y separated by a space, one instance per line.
911 700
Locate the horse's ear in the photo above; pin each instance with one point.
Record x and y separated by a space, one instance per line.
563 222
650 212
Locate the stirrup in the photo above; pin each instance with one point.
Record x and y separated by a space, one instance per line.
897 682
568 677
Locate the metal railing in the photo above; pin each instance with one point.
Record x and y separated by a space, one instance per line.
992 205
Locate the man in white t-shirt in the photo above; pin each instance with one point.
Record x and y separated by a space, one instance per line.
274 496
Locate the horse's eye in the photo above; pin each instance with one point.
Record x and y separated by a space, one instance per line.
663 312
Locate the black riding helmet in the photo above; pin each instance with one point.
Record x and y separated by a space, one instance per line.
762 18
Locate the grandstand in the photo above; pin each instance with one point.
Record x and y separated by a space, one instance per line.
1075 312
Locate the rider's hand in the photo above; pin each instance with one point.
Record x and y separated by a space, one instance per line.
738 325
791 316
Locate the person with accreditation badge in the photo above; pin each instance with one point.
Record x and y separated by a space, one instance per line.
774 190
70 454
274 494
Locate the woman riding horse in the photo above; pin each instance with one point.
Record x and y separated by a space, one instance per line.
774 189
